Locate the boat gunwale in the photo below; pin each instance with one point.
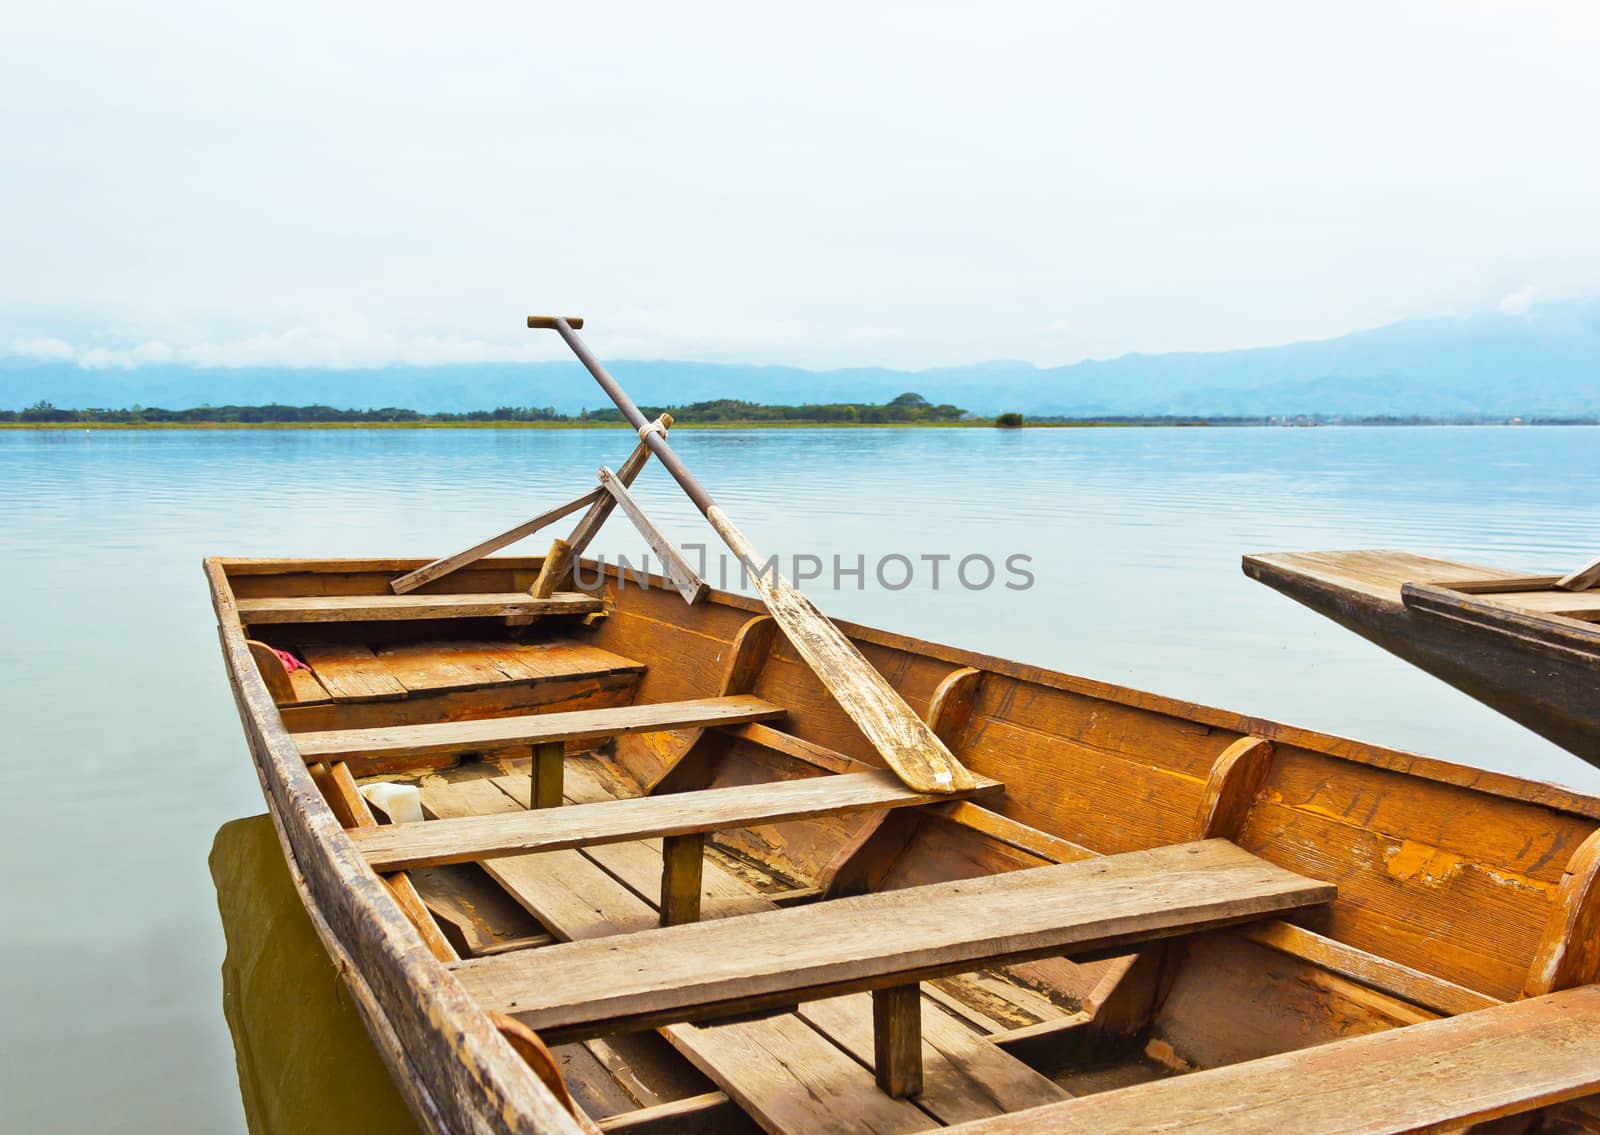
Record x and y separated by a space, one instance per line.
1523 789
507 1096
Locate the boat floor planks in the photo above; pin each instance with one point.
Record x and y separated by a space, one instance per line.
1453 890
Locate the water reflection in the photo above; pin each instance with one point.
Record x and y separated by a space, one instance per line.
306 1065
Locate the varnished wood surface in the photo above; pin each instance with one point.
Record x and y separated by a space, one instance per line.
364 608
500 733
399 847
868 941
1424 1077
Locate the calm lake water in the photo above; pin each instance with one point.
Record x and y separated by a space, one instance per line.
124 754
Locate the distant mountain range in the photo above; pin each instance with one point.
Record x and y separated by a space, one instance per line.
1544 362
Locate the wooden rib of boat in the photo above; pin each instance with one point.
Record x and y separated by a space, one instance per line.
1526 645
746 869
726 914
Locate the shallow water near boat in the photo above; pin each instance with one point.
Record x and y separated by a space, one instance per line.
125 751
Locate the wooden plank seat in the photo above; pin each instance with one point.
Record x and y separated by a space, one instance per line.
707 970
368 608
1424 1077
789 1073
402 846
501 734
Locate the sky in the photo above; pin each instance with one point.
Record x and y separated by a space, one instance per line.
821 185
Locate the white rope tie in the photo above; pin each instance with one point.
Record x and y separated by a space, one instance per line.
652 428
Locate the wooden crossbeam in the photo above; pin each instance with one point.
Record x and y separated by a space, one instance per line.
440 568
1582 579
498 734
759 961
477 838
371 608
677 569
589 526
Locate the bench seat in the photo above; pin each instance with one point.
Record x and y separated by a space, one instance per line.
400 847
732 966
1425 1077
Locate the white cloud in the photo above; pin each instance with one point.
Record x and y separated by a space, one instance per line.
300 183
1519 302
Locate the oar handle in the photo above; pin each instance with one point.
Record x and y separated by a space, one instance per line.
651 437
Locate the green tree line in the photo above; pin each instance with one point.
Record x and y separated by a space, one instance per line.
905 408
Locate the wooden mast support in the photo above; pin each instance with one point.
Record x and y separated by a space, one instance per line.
897 1039
903 739
549 774
682 861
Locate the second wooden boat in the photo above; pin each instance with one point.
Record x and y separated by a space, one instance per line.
1526 645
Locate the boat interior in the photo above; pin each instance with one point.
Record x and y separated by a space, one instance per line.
654 847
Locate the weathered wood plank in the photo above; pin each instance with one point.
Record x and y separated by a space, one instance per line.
566 693
1380 973
869 941
1452 1072
363 608
350 672
397 847
790 1079
796 747
501 733
706 1112
677 569
443 567
1582 579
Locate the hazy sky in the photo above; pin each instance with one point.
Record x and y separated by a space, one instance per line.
820 184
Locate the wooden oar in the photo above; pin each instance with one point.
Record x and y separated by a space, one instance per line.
902 738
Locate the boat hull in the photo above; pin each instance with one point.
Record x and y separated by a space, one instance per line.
1544 678
1406 853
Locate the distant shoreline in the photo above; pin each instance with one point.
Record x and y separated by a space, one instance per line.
985 424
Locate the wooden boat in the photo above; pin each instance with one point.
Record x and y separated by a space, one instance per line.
690 839
1526 645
